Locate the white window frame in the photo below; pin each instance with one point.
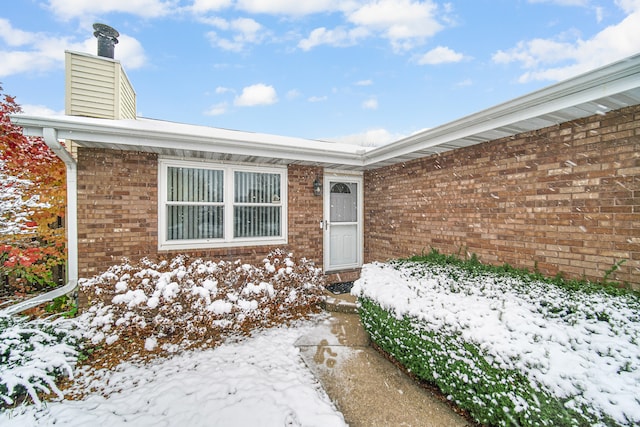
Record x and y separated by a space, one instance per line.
228 240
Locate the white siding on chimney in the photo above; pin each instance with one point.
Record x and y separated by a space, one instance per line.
98 87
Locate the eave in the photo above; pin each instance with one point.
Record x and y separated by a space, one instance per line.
607 88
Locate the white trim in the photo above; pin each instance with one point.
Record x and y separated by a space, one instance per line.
228 241
616 84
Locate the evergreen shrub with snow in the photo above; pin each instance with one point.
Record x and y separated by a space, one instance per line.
34 354
184 303
509 347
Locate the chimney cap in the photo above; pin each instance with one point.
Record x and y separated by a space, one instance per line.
106 31
107 39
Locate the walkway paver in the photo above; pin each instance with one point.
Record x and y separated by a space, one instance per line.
367 388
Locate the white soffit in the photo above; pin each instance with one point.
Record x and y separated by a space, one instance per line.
183 140
608 88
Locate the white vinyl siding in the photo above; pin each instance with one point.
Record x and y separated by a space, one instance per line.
98 87
210 205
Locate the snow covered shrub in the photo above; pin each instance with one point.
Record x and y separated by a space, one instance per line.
33 355
186 302
511 350
491 395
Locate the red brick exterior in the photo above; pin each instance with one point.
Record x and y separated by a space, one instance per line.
118 210
305 213
562 199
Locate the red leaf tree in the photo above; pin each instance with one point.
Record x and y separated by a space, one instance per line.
32 204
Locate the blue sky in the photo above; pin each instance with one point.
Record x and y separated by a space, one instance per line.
361 71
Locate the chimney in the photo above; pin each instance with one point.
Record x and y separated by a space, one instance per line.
97 86
107 39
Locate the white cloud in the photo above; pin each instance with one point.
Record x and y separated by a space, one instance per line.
317 98
245 31
13 36
558 59
217 110
41 52
464 83
370 138
129 52
368 82
289 7
67 9
440 55
599 13
370 104
340 37
40 110
563 2
221 89
293 94
628 6
406 23
20 62
258 94
203 6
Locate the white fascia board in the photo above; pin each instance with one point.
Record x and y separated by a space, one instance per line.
610 80
592 86
144 133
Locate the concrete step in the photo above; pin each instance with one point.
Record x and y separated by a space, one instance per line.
340 303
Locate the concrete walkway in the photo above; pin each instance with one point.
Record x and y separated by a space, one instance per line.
368 389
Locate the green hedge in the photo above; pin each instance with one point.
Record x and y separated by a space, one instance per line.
491 395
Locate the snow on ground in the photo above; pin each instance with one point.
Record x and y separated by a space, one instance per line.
257 381
584 347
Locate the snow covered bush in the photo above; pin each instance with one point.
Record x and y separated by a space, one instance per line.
509 348
184 303
33 355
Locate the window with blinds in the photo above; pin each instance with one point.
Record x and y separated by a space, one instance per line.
195 203
220 205
256 210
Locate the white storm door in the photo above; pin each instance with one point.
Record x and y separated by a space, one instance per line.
343 222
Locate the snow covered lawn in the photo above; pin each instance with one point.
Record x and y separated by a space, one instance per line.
485 331
189 342
257 381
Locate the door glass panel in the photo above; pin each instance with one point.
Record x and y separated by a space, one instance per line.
344 202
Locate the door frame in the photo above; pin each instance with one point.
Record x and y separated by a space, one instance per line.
342 176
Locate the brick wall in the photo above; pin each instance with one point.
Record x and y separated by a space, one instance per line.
305 213
118 208
561 199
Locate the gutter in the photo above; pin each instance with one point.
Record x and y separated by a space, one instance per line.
50 136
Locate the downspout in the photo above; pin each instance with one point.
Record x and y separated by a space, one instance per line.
50 136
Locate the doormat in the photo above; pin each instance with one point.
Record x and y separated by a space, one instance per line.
340 288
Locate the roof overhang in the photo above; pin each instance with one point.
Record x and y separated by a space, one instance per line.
607 88
183 140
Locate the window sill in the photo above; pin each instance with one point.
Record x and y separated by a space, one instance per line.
194 245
